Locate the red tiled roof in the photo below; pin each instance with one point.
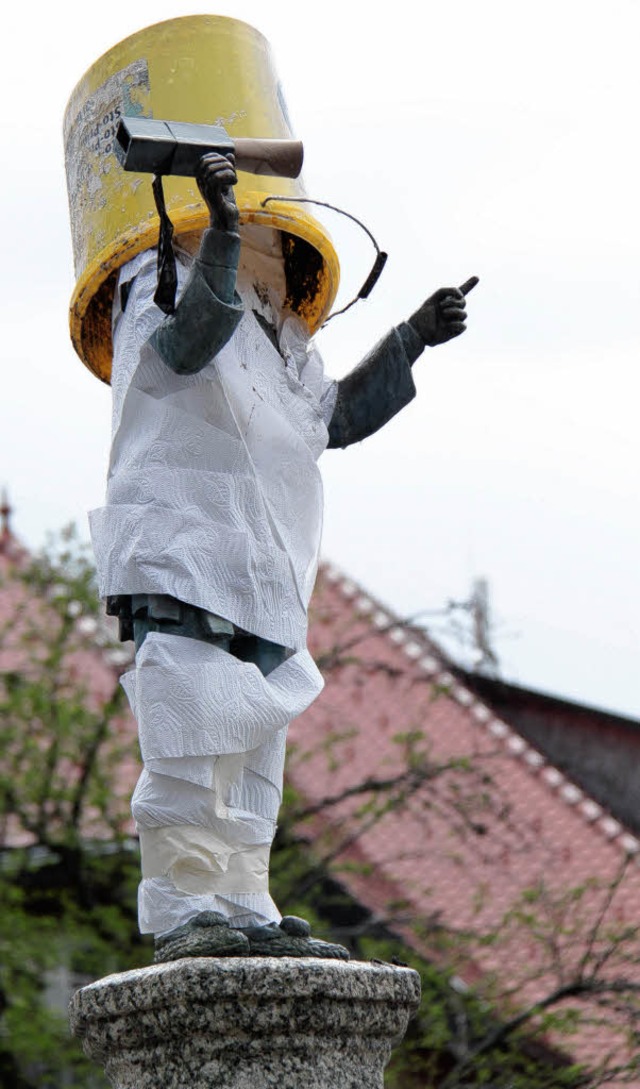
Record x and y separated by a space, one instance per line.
465 844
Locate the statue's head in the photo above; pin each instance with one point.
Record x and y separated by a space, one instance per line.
208 70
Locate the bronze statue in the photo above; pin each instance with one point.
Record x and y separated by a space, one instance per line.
207 545
206 318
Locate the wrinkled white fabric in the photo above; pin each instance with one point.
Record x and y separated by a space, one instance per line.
170 895
214 497
192 699
212 734
197 860
162 907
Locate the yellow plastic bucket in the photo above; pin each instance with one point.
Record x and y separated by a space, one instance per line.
206 69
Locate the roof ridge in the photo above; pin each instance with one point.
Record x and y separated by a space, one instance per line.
434 662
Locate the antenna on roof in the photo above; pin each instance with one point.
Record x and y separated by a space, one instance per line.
477 605
487 658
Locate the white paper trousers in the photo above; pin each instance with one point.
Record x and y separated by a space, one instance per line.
212 735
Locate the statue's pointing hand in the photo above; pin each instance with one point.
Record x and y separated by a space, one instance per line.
216 177
443 315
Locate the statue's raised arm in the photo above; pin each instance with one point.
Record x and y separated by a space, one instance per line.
382 383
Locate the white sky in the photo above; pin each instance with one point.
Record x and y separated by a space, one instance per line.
494 138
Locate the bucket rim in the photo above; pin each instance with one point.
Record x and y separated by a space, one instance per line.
85 312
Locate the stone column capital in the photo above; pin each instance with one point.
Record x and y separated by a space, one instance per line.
247 1023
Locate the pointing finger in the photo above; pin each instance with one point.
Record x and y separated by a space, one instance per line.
469 284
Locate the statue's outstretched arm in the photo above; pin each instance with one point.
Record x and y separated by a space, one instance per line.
382 383
209 308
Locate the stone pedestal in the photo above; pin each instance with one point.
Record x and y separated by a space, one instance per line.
247 1023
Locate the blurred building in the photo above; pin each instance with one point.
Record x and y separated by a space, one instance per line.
444 801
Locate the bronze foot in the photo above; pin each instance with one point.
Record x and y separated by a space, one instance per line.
292 938
209 935
206 935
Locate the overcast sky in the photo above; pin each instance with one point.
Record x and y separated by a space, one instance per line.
494 138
